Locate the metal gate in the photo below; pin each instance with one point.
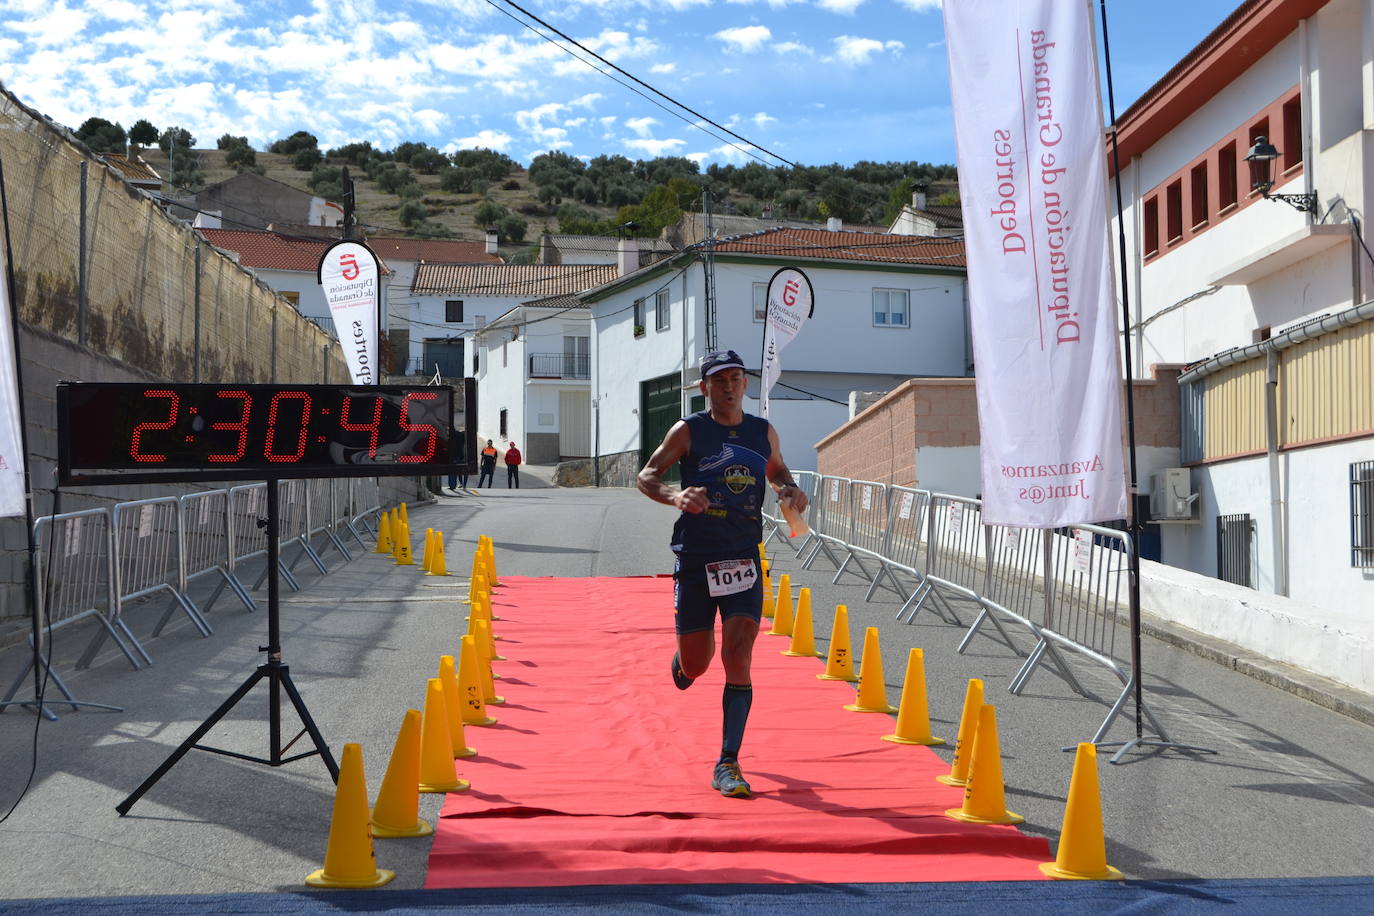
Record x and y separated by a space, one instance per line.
574 424
660 406
1233 549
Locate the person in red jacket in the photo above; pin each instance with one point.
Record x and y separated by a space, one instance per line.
512 467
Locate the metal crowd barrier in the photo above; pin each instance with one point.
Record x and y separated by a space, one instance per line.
206 542
93 562
1066 587
77 580
148 558
773 520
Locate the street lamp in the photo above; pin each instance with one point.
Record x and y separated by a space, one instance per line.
1260 156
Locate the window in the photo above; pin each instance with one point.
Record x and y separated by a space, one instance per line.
1362 514
661 310
453 310
475 364
1292 133
1197 185
638 321
1259 129
1151 227
891 308
1173 211
290 296
760 302
1227 190
503 422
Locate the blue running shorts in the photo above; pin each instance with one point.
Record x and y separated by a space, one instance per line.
694 605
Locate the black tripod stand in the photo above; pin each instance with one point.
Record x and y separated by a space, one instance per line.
277 675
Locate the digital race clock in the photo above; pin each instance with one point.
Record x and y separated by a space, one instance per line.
127 433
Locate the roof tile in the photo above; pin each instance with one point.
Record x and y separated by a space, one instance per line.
843 245
527 280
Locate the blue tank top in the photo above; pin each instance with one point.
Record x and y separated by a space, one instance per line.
731 462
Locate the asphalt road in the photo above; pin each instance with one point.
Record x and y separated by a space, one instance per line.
1290 793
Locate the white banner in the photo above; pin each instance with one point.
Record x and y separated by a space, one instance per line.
790 303
1032 178
11 438
348 272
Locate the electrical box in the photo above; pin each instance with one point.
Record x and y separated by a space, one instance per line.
1171 495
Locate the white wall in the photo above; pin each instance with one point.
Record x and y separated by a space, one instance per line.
501 385
531 406
312 303
425 315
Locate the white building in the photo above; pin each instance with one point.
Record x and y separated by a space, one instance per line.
448 302
886 309
288 264
1265 300
533 380
418 349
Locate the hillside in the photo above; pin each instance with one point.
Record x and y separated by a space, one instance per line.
558 193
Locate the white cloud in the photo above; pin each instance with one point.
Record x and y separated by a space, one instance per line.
844 7
641 126
663 68
920 6
854 51
792 47
498 140
761 119
586 101
574 122
654 148
745 38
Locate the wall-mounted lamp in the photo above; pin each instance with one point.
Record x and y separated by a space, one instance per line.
1261 157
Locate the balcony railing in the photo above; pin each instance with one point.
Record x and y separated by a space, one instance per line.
560 365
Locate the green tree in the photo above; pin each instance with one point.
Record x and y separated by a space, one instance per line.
143 133
394 177
511 229
492 165
412 213
178 137
102 136
489 214
462 180
293 144
306 158
354 153
243 158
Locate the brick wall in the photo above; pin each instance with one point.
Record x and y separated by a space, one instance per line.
880 443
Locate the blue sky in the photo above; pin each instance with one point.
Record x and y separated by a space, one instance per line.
815 81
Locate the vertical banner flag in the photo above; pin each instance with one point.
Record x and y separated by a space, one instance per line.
790 302
11 437
1032 178
348 272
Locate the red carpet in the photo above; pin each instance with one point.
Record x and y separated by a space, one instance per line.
598 769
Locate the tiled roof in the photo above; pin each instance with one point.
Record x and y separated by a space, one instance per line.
849 246
445 250
946 217
268 250
565 301
525 280
133 169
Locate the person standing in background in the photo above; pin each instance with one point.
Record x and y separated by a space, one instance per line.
512 467
488 464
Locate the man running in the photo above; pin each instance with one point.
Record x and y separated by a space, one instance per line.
726 455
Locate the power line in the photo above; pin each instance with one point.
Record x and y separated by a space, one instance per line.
657 92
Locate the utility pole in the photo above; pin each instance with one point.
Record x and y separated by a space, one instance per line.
709 272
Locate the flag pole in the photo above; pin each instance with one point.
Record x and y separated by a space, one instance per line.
1133 523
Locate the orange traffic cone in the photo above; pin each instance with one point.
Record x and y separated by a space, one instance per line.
436 744
872 689
383 534
839 665
491 563
403 557
963 742
397 812
429 549
782 611
985 799
437 566
483 638
405 516
470 685
1082 848
349 860
395 533
453 705
478 570
803 637
913 719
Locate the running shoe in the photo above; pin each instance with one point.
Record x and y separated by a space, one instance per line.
679 678
729 781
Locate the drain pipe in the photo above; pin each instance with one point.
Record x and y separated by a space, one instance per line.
1276 507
